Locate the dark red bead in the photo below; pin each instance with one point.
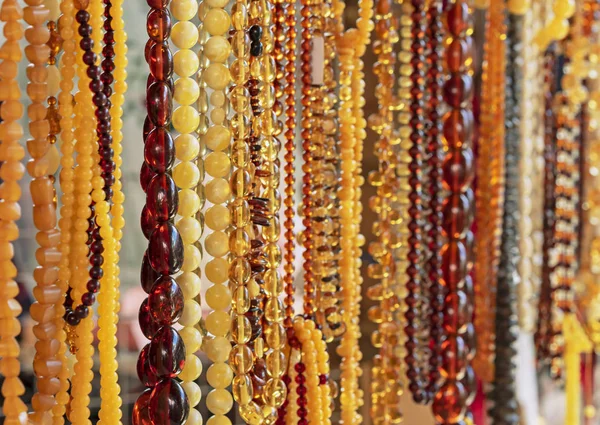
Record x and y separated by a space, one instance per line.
148 222
456 212
165 301
161 62
146 375
162 197
158 24
147 274
166 249
459 170
167 353
159 98
458 128
159 150
147 323
454 263
457 89
158 4
145 176
140 414
88 299
168 403
458 18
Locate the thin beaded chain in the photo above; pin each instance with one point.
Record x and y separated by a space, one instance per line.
186 174
386 384
490 188
161 361
11 154
451 403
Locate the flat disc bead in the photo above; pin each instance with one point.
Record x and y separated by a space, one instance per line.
186 91
184 34
217 138
217 49
186 62
184 10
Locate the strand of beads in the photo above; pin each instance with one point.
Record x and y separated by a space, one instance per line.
186 175
490 177
11 171
434 189
386 385
240 269
67 211
503 393
452 400
159 363
217 139
274 392
42 166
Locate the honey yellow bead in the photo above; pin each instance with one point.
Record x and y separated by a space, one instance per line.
218 115
190 284
518 7
185 63
192 369
218 191
217 217
189 202
217 22
218 138
217 76
218 323
217 99
184 10
187 146
184 34
192 313
218 297
559 28
186 119
217 244
217 49
194 418
217 164
186 91
217 3
193 392
564 8
189 229
186 175
191 258
219 375
192 339
217 270
218 349
218 420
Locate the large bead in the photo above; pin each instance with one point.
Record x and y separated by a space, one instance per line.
161 197
147 274
166 249
141 414
159 99
145 373
168 403
159 150
167 353
147 323
165 301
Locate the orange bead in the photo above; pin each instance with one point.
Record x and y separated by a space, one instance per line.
45 275
44 217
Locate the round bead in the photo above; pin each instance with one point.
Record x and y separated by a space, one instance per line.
216 76
217 21
186 119
218 191
217 138
219 401
184 10
186 91
184 34
217 217
185 62
217 164
217 49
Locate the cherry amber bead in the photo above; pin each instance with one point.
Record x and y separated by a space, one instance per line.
146 375
158 24
458 89
159 150
147 274
454 260
141 415
458 127
162 197
167 353
450 403
147 323
458 18
165 301
148 222
459 169
168 403
160 61
166 249
160 103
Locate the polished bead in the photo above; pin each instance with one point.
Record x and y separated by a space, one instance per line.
160 62
167 353
161 198
145 373
141 415
159 98
168 403
147 323
165 249
165 301
159 150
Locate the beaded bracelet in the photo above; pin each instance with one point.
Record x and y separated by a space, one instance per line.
186 175
162 360
12 171
453 398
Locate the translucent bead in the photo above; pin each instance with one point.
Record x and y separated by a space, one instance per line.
168 403
167 353
161 197
165 301
165 249
141 415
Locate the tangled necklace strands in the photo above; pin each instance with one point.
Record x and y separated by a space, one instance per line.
490 191
453 398
10 156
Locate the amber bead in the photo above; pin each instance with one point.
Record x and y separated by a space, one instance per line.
160 61
168 403
159 97
162 198
159 150
165 301
167 353
158 25
141 414
146 321
146 375
166 249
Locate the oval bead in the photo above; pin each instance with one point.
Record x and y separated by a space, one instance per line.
166 249
159 150
166 301
145 373
141 414
147 274
168 403
161 197
159 98
160 62
147 323
167 353
147 221
158 25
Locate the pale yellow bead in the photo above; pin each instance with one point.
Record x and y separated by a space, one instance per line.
217 99
184 10
189 202
564 8
218 349
218 420
218 323
186 91
189 229
53 158
192 369
193 392
219 401
186 119
217 138
217 217
217 21
217 164
218 297
218 115
217 244
187 147
184 34
217 49
192 339
54 8
217 3
186 175
218 191
217 270
185 63
192 313
190 284
217 76
191 258
194 418
219 375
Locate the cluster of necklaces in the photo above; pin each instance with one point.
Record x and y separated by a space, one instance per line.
486 197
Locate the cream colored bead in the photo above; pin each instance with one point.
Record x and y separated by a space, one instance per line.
217 76
189 202
184 10
193 392
194 418
189 229
184 34
191 258
217 244
186 91
218 323
219 375
217 270
190 284
217 217
218 297
217 349
192 313
186 175
192 339
192 369
218 191
217 49
187 147
217 115
217 164
217 99
217 21
217 138
185 62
